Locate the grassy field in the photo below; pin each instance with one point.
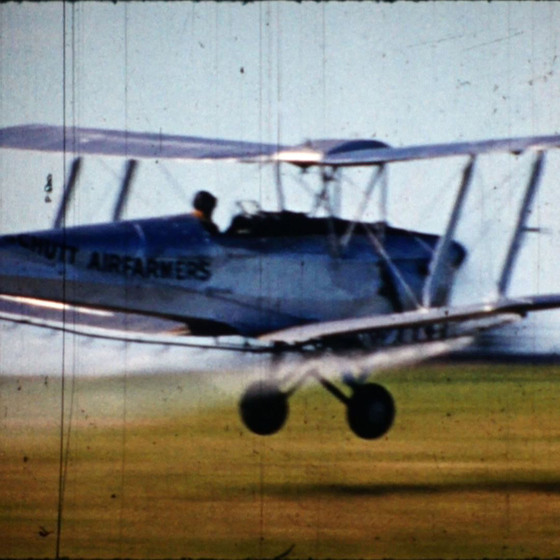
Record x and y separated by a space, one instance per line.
471 469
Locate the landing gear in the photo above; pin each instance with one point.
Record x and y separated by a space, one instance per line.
264 408
370 410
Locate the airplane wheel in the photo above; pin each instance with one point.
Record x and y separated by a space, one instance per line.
370 411
264 408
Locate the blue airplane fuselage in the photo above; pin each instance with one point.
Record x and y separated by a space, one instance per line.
266 272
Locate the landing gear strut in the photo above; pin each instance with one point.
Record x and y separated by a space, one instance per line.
370 410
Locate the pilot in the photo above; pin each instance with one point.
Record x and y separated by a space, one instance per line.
204 204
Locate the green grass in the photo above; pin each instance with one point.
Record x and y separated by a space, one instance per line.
470 469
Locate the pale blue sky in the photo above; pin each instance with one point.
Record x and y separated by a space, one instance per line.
282 71
410 72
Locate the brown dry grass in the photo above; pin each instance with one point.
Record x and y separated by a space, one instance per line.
471 469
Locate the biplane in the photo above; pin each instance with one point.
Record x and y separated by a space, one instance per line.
296 289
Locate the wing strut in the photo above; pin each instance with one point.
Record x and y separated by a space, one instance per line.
279 187
68 193
435 291
408 299
520 229
379 175
131 166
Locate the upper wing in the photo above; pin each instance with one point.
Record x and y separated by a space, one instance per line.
93 141
487 315
124 143
371 152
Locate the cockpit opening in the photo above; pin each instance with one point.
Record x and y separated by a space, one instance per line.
287 223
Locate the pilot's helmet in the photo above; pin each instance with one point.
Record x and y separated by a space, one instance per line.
205 202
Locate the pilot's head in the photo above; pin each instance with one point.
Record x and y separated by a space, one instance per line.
204 202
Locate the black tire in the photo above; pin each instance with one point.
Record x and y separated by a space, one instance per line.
370 411
264 408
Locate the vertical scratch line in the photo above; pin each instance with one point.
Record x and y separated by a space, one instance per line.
62 403
124 413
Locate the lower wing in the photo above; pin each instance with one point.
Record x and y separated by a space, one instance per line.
37 338
433 322
45 338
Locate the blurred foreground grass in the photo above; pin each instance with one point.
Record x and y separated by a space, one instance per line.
470 469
